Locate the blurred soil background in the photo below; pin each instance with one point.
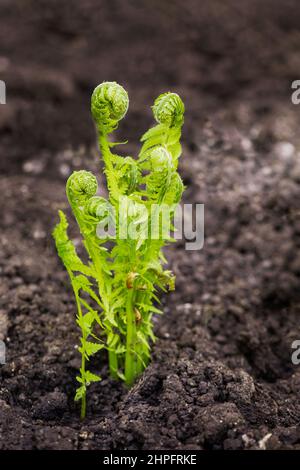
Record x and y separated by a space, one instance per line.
221 375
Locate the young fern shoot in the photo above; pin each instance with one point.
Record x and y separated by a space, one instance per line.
123 235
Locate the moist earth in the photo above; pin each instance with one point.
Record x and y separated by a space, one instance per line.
221 375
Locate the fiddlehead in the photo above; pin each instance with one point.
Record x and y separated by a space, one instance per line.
81 186
100 215
96 207
168 109
159 178
109 105
127 174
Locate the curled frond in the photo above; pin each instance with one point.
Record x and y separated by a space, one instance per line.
160 159
81 185
175 190
168 109
128 174
96 207
109 105
161 170
100 214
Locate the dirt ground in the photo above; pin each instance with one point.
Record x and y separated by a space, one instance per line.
221 375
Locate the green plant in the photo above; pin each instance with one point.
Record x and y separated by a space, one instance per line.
116 289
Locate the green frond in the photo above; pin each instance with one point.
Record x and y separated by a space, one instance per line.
64 246
118 290
168 109
109 105
81 186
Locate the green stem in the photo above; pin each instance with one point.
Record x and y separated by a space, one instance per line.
105 150
113 364
139 365
84 336
112 356
109 167
130 359
139 345
83 407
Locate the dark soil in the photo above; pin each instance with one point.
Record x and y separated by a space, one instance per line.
221 375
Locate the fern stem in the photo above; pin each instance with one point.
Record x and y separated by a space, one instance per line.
113 364
109 168
84 336
130 358
83 407
139 365
105 150
112 356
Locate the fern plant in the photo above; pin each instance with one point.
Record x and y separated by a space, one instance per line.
116 290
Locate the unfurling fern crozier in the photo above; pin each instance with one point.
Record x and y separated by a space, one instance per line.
116 289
